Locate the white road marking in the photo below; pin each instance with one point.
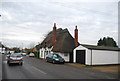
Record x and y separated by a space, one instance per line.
39 70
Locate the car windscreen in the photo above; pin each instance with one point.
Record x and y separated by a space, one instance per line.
15 55
31 54
57 56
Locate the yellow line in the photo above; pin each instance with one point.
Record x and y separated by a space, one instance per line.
39 70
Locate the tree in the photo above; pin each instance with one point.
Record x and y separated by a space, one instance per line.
100 42
104 41
107 42
16 50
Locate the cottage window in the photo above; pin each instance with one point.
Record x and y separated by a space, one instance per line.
41 53
46 52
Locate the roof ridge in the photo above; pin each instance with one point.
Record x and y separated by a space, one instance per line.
101 47
98 46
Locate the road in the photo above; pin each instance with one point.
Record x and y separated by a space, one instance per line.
39 69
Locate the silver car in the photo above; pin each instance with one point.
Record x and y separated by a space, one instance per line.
15 58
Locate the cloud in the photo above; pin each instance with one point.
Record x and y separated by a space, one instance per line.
64 1
24 21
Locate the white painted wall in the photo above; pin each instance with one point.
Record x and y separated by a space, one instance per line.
88 57
42 52
104 57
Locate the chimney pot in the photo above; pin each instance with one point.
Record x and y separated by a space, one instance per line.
75 27
54 24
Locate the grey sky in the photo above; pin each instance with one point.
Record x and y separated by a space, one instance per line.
23 23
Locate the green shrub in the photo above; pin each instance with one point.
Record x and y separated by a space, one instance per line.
36 54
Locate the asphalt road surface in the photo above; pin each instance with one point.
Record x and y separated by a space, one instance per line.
39 69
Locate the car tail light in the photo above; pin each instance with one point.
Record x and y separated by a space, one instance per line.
11 59
21 59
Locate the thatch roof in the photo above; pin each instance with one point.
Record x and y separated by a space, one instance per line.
64 41
101 47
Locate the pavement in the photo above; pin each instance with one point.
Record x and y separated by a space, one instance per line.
103 68
39 69
108 68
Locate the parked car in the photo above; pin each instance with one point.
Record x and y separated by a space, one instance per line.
31 55
19 54
7 56
55 58
24 54
14 58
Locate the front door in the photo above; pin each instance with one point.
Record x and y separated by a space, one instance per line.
80 56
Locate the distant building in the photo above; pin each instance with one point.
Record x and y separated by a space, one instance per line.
59 41
34 49
2 48
11 52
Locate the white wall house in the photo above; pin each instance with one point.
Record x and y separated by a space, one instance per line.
96 55
2 50
44 52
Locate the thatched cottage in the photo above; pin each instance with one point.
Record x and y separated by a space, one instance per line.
59 41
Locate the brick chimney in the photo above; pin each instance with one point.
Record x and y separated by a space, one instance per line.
76 36
54 34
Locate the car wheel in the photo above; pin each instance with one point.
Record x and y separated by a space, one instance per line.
53 62
46 60
21 63
9 64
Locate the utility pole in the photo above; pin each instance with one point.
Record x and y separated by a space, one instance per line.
22 47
